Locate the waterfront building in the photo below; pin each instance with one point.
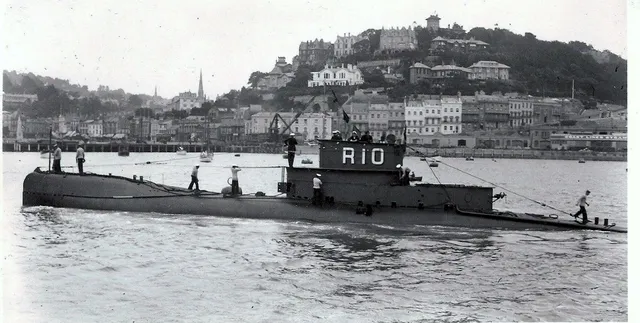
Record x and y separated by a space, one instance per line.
313 126
451 121
378 122
396 119
520 112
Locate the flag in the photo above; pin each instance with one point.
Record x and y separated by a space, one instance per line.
345 116
404 133
356 130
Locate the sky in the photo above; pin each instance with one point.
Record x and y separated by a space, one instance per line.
137 45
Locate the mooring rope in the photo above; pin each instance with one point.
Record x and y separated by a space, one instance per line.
494 184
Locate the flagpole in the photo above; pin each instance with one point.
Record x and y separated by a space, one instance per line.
50 130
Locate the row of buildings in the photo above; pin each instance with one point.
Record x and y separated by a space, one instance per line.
428 120
482 70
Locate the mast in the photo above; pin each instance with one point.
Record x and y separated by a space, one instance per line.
50 130
573 88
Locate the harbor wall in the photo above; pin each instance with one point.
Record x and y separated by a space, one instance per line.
309 150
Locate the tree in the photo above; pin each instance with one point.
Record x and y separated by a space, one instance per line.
135 101
7 85
255 77
301 77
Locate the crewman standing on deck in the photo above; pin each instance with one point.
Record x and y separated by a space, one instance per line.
194 177
581 203
317 191
235 187
80 158
291 143
57 158
403 175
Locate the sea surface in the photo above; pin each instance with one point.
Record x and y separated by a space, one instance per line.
66 265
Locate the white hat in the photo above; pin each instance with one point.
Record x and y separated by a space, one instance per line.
293 134
335 131
318 175
398 166
197 165
234 165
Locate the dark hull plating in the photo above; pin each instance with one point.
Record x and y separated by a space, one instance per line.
122 194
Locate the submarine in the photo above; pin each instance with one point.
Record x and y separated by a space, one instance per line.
360 184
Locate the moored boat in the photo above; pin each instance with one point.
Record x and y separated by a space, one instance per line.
181 151
123 151
206 156
360 185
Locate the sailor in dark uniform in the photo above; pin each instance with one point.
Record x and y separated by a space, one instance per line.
366 137
336 135
354 137
291 143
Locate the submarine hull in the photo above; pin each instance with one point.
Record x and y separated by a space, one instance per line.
100 192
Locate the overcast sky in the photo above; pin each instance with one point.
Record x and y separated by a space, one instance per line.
138 44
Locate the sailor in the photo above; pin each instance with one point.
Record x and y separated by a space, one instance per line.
194 178
80 159
291 143
57 158
383 138
403 175
336 135
366 137
235 188
354 137
317 190
581 203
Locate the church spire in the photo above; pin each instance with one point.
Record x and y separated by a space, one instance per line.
200 90
155 92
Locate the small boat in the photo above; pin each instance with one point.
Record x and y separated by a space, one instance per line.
433 164
307 161
581 161
237 155
423 159
470 158
123 151
206 156
181 151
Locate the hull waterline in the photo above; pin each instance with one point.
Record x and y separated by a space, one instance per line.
115 193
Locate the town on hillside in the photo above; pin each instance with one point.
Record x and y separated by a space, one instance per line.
432 86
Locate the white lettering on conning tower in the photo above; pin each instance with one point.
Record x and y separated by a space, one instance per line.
379 161
377 156
348 153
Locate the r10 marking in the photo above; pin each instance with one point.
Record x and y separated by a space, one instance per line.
377 156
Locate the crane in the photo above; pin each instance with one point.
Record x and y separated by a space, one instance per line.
276 135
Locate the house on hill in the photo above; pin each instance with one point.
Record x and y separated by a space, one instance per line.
280 75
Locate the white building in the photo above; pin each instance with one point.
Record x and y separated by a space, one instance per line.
432 116
187 101
378 120
313 126
340 76
520 112
415 116
451 121
94 128
487 70
344 45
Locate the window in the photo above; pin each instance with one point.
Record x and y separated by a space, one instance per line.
457 110
296 129
372 116
445 109
445 127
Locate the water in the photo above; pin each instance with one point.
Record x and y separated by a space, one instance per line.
65 265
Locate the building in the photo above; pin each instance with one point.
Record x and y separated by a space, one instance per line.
440 43
420 112
489 70
231 129
280 76
313 126
485 112
358 106
379 63
577 137
312 53
398 39
13 101
419 72
451 122
378 120
520 112
341 76
433 23
94 128
396 119
449 71
186 101
261 121
546 111
344 45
